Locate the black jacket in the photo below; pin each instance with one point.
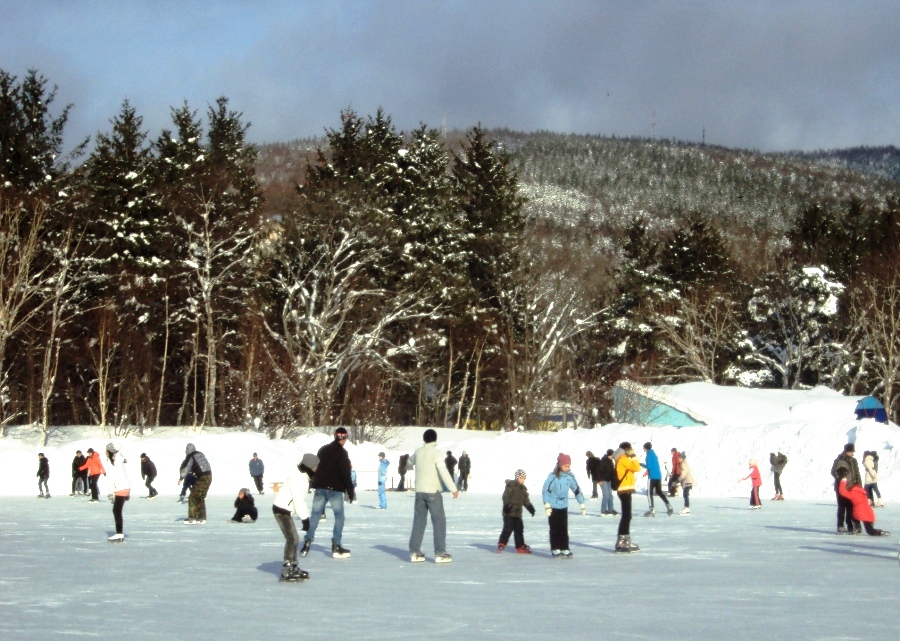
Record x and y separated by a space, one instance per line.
465 465
77 462
606 469
451 463
243 503
333 472
778 461
148 468
43 468
846 467
593 468
401 466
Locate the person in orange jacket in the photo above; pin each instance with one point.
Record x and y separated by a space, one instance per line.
94 467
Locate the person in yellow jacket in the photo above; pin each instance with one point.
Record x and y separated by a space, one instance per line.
626 465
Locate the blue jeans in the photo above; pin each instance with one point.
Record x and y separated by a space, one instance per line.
382 497
320 498
425 504
606 503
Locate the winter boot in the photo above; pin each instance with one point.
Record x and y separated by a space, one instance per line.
650 512
307 543
501 547
339 552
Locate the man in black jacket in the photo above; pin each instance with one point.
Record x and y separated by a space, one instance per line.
606 473
148 473
846 467
43 475
77 474
451 461
592 471
331 480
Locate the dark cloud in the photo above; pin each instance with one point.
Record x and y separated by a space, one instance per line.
767 75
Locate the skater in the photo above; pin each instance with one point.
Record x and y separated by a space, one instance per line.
607 472
289 500
515 497
195 463
870 462
121 488
383 464
148 473
245 508
652 466
401 470
257 468
778 461
432 476
686 478
186 485
451 465
556 503
43 475
465 468
593 473
79 476
755 484
331 480
675 473
626 466
862 511
846 467
94 467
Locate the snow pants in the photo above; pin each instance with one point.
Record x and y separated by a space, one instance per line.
513 525
197 500
625 521
559 528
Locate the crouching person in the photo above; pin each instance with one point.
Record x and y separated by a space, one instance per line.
245 506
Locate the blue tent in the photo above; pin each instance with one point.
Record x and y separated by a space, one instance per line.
871 407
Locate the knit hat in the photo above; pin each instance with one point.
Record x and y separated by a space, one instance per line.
310 460
110 447
520 474
143 455
563 459
850 447
340 430
430 436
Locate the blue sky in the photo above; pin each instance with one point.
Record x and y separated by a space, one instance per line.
765 75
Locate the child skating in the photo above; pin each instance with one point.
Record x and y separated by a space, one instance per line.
556 503
756 481
515 497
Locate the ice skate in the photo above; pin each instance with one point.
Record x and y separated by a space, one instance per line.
556 554
339 552
416 557
650 512
117 538
685 512
523 550
669 509
632 547
443 558
291 573
842 530
307 543
501 547
622 544
566 554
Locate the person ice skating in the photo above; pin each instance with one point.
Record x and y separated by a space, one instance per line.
845 467
79 476
593 474
465 468
401 470
686 478
245 507
606 469
195 463
352 482
653 469
148 473
121 488
383 464
289 500
331 480
451 465
432 476
515 498
43 475
778 461
870 462
257 469
555 495
862 511
755 484
94 467
675 473
627 465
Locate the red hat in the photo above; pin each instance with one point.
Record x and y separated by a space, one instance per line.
564 459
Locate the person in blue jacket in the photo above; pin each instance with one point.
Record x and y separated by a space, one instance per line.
556 503
651 464
383 464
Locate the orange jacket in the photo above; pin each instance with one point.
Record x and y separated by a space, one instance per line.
626 466
93 465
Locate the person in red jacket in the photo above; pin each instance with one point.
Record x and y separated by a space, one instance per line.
756 481
674 473
94 467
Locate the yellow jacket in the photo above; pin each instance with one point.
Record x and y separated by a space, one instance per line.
626 466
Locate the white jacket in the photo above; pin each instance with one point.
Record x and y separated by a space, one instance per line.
291 495
871 474
431 470
118 478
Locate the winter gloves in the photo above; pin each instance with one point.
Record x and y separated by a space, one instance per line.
305 523
583 510
548 509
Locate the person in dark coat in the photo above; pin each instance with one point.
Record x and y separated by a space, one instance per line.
778 462
43 474
465 468
148 473
606 472
79 474
257 469
331 480
451 462
593 472
845 467
244 506
401 470
515 499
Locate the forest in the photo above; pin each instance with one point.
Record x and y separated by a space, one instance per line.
463 279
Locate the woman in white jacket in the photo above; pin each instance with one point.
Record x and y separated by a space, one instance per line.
290 500
121 488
